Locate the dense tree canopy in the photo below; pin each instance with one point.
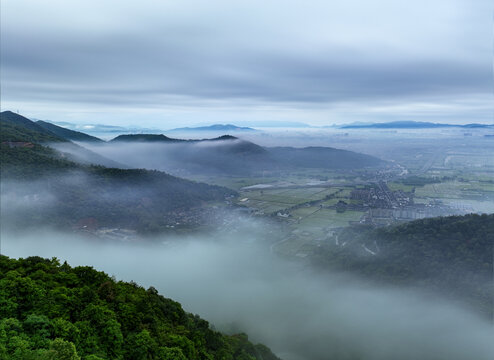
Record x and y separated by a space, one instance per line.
52 311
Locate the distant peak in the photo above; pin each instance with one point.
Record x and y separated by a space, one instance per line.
226 137
144 137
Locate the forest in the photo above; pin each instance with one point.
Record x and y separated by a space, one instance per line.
133 198
452 255
52 311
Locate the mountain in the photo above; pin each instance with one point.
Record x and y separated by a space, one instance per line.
451 255
233 156
67 133
15 127
55 190
144 138
18 131
54 311
411 125
213 128
274 124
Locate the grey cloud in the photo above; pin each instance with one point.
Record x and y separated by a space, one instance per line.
266 54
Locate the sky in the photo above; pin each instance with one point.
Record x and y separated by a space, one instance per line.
166 64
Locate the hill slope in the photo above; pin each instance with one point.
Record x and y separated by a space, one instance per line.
450 254
19 132
232 156
17 128
52 311
41 186
67 133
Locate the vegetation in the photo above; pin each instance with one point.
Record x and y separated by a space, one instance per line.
451 254
51 311
135 199
419 180
17 128
145 138
244 158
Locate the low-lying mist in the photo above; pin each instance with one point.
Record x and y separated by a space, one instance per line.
174 157
238 285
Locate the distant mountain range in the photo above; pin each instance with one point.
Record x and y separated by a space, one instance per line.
413 125
226 154
213 128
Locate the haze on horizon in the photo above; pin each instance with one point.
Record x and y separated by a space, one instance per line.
172 64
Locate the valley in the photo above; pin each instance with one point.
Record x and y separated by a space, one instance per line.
246 180
323 210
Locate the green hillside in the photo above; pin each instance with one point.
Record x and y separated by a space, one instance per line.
67 133
51 311
16 128
450 254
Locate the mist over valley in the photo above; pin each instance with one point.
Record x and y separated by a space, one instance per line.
249 180
286 244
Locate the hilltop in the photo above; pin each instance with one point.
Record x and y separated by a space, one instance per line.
15 127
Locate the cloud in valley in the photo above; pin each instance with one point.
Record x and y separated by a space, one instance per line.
235 283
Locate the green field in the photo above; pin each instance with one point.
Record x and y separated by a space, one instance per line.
273 200
456 190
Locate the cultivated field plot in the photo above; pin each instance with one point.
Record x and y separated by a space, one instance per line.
235 183
477 206
395 186
456 190
466 161
313 227
273 200
324 218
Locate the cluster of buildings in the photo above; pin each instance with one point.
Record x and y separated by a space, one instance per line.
381 196
384 206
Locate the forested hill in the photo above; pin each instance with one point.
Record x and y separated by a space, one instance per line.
145 138
51 311
41 186
234 156
450 254
17 128
67 133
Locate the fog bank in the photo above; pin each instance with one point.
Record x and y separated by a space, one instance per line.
237 285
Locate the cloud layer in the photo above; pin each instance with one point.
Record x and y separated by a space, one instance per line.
172 62
235 283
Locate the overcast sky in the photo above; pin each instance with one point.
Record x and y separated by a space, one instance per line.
184 62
